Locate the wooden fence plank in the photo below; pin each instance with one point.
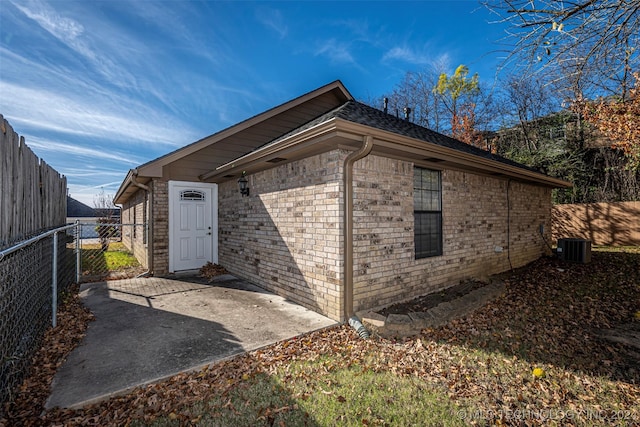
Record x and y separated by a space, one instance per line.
607 224
33 195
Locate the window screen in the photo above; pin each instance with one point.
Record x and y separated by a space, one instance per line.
427 212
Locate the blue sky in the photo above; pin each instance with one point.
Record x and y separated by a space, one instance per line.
100 87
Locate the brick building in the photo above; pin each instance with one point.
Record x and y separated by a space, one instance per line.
347 208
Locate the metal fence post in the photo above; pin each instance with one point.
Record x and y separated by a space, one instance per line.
54 280
22 267
78 249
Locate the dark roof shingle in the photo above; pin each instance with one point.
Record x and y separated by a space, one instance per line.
363 114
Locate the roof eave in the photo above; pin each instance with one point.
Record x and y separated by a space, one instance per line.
119 197
272 149
388 139
128 186
154 167
493 167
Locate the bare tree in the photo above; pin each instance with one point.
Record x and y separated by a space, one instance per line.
105 208
415 91
432 108
524 101
584 47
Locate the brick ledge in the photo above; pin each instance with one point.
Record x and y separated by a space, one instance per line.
405 325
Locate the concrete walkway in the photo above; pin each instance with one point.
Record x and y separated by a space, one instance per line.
151 328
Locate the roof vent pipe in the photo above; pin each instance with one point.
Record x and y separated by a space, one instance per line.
385 103
407 112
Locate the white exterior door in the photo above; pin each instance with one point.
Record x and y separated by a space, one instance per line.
193 225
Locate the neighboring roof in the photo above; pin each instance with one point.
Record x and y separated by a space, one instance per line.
108 212
195 159
77 209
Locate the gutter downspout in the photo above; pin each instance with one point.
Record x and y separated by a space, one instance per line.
367 145
146 188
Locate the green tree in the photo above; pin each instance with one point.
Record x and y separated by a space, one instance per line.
457 93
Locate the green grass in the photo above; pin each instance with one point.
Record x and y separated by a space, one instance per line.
119 257
350 396
477 370
617 249
356 395
95 262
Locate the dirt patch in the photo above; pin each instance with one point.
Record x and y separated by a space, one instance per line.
426 302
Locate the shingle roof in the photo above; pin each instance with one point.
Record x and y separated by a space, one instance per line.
77 209
363 114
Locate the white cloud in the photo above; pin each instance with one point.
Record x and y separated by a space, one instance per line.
67 30
335 51
76 150
87 193
405 54
89 117
63 28
87 172
273 20
414 57
106 49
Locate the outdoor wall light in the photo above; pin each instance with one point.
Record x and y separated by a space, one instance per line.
243 184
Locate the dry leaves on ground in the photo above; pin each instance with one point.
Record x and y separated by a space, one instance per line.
72 322
211 270
546 322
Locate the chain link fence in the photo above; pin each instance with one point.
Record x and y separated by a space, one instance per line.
108 251
30 286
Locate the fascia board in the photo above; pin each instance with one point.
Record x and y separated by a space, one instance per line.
272 149
449 154
123 187
154 167
391 140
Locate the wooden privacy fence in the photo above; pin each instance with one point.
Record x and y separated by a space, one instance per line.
33 195
609 224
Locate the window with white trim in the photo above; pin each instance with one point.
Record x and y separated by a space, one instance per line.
427 212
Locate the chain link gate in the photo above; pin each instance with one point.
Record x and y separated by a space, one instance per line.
109 251
36 272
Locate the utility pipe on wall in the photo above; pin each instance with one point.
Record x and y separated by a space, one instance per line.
367 145
149 221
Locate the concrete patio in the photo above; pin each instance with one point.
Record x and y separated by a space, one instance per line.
147 329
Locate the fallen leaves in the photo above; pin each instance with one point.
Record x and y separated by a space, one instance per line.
547 321
72 322
538 373
211 270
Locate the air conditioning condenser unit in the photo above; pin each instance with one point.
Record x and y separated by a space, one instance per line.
574 250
